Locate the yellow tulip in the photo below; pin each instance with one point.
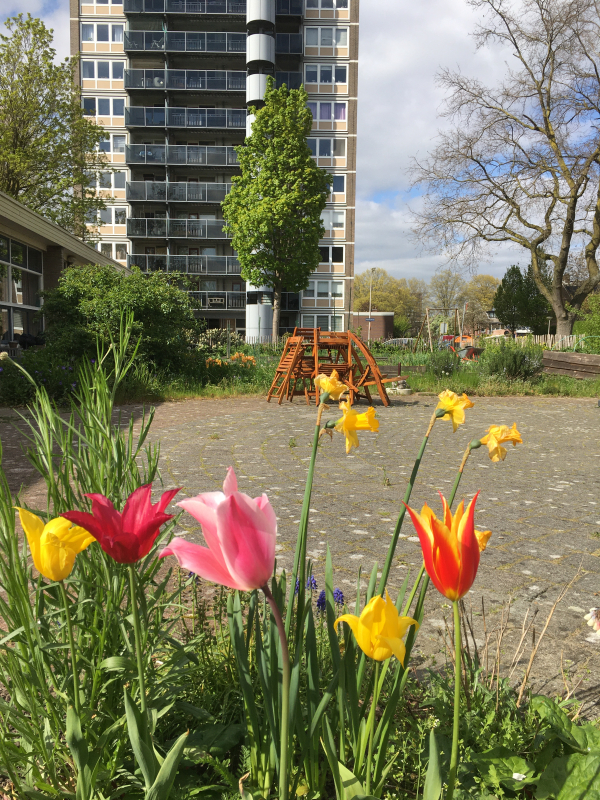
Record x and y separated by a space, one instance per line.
352 421
379 629
331 385
53 545
454 407
496 435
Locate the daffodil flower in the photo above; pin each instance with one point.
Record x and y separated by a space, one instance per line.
53 545
331 385
380 629
454 406
352 421
498 434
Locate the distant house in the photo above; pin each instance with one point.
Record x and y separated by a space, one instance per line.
33 254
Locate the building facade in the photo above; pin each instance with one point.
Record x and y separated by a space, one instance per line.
33 254
170 82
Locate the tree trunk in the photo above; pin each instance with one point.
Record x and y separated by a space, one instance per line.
564 325
276 310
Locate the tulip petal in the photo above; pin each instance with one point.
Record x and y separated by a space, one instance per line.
396 646
34 528
360 631
423 528
165 499
56 559
77 539
247 539
468 546
201 561
230 484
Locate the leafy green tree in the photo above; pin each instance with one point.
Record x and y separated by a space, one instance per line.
89 300
518 301
274 207
48 148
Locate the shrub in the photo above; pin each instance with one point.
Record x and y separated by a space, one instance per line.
89 301
511 361
444 363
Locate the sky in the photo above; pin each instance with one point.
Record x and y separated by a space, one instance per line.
403 44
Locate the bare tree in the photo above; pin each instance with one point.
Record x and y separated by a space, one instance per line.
520 162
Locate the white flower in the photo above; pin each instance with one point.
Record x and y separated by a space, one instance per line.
593 619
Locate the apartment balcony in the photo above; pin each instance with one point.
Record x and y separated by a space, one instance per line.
293 80
181 154
218 301
186 80
288 43
290 7
176 192
142 117
176 228
184 42
195 265
233 7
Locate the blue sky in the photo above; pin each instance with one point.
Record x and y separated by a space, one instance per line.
403 44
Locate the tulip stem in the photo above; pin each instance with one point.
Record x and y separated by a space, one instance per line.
299 572
413 476
138 639
285 696
65 599
457 668
371 725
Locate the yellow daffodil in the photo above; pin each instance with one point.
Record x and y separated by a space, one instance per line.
454 407
496 435
379 629
352 421
482 539
53 545
331 385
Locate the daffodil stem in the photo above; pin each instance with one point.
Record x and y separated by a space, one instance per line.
385 573
299 573
465 457
457 668
76 699
285 696
372 728
137 632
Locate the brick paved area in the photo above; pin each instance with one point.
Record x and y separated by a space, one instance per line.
542 504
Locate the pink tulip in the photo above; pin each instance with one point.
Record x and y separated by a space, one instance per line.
240 533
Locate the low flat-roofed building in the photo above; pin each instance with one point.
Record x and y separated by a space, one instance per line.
33 254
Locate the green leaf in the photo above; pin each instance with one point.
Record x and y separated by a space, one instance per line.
215 740
139 736
580 737
433 779
79 749
117 663
193 711
574 777
500 765
161 788
351 786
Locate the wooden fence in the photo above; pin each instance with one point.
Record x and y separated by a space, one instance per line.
551 341
576 365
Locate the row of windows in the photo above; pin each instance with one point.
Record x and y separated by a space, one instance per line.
328 147
323 321
20 255
111 215
116 250
115 144
101 32
325 73
328 111
101 106
324 289
102 70
314 37
323 4
109 180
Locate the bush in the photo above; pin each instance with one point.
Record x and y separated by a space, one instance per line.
511 361
89 301
444 363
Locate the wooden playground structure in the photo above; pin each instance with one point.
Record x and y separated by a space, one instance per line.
309 352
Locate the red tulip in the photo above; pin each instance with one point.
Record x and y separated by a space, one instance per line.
451 547
129 535
240 532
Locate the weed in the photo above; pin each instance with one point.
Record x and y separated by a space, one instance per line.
214 436
386 480
292 442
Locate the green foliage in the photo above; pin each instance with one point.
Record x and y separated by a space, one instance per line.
47 146
274 208
89 301
444 363
512 361
519 303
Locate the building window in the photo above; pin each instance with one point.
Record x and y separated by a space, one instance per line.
326 111
120 216
323 289
331 254
327 148
103 106
106 249
121 252
336 323
310 290
119 180
325 73
338 184
106 215
103 70
118 144
333 220
325 38
101 32
327 4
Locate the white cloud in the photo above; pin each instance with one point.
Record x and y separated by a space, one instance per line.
55 14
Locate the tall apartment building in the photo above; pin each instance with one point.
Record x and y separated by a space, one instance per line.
170 82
